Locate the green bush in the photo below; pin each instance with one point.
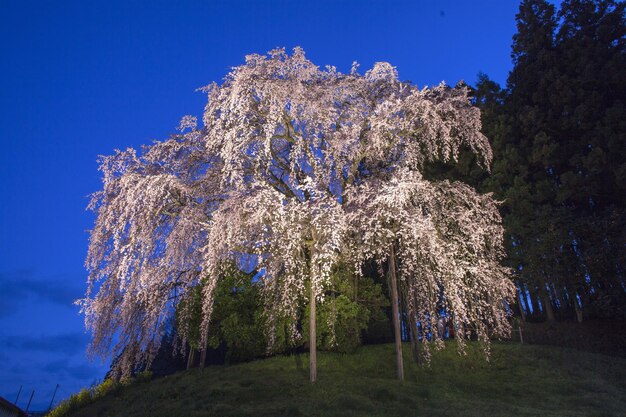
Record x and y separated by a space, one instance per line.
86 396
145 376
83 397
347 309
238 318
76 401
106 387
61 410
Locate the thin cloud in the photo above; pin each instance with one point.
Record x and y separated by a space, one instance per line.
68 343
16 287
42 377
65 368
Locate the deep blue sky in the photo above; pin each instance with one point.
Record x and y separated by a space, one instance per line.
79 79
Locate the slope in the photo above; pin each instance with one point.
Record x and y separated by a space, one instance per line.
519 380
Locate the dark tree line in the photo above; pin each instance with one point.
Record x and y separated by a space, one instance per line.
558 132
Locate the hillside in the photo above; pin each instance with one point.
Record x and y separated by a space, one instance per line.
520 380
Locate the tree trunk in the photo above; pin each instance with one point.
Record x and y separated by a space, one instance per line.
312 336
203 356
559 303
578 309
567 298
572 300
414 337
203 353
534 299
190 359
545 300
520 303
393 289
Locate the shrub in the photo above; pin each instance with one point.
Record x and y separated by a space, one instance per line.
73 403
86 396
144 376
107 386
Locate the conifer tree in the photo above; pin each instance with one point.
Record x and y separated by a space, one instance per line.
558 140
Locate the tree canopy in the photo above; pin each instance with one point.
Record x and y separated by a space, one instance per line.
295 170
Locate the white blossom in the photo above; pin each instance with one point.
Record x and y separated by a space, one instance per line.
301 167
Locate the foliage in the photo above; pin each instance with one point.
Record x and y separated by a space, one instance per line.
346 311
238 322
237 317
104 388
85 397
144 376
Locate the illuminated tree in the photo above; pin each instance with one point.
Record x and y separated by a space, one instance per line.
444 242
283 172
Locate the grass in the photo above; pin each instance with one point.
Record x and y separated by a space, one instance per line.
519 380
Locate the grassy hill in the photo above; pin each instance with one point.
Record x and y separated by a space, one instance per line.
520 380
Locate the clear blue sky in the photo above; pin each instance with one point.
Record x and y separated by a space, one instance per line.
81 78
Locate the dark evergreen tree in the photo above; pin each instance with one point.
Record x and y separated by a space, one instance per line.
592 130
518 125
558 134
